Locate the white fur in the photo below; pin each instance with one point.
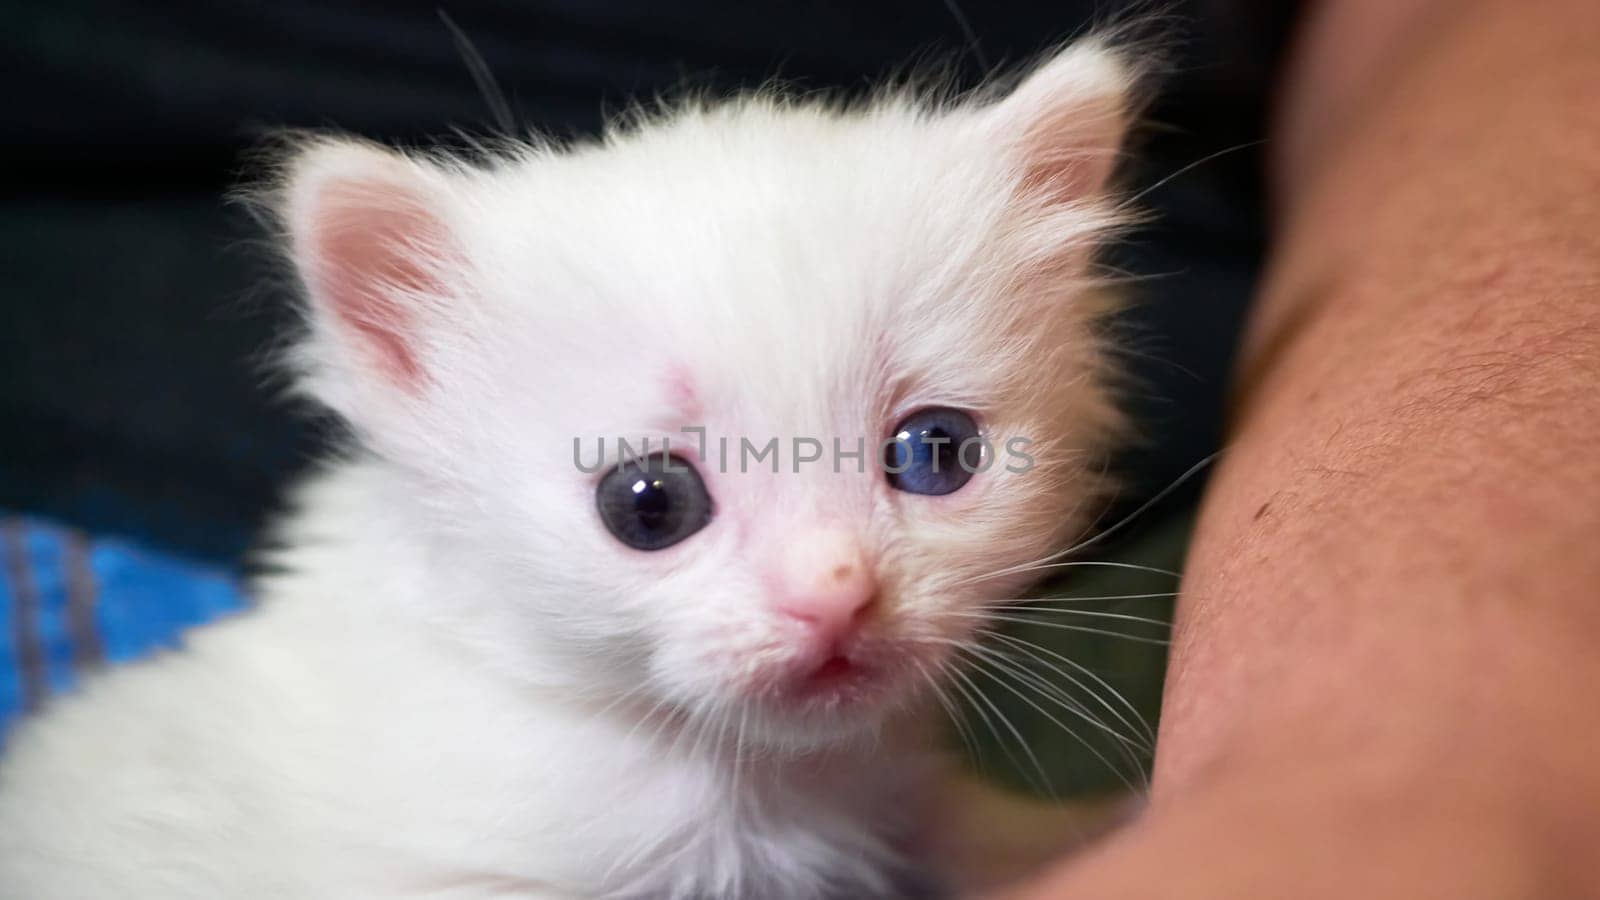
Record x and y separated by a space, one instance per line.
457 683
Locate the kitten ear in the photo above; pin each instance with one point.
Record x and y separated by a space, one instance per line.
1066 120
368 235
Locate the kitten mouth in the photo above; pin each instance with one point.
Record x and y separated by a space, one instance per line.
836 679
835 670
852 677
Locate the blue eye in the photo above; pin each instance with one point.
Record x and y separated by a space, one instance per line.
654 502
934 451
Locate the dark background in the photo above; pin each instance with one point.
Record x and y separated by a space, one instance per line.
134 318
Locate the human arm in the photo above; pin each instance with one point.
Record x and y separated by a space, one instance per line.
1390 625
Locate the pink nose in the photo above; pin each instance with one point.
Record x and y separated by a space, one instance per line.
825 582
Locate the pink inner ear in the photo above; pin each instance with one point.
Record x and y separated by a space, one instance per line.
1067 120
374 248
1068 156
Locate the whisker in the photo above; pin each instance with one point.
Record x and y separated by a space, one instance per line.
1129 749
1072 704
1102 598
659 706
738 751
973 43
970 702
1060 724
1088 613
1141 509
949 708
1183 170
1043 785
977 695
691 724
1046 563
483 77
1159 496
1034 649
1109 564
1084 629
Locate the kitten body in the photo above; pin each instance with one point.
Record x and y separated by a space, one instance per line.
455 682
317 747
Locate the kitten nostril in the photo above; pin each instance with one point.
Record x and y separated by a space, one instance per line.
832 616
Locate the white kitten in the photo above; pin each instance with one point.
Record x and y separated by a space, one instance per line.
482 671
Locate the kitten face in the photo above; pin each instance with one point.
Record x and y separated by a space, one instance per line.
759 272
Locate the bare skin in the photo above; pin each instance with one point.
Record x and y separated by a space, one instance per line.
1388 649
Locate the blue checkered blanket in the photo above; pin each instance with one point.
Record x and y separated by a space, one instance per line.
69 602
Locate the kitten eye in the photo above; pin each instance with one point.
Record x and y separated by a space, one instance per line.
935 451
654 502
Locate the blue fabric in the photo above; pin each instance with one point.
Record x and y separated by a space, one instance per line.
44 558
69 602
10 687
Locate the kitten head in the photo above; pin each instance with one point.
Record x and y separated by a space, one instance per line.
798 286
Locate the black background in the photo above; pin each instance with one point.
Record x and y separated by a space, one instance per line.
135 317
